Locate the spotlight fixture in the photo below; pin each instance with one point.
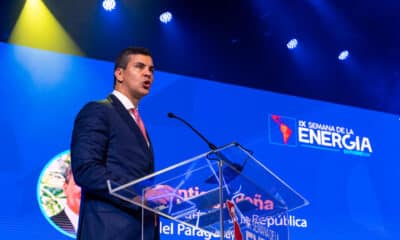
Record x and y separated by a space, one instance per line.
109 5
165 17
292 44
343 55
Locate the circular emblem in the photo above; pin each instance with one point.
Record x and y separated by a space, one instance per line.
58 195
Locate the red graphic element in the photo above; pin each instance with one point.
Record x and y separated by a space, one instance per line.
285 130
231 210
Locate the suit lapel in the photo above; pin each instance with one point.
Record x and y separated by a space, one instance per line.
124 114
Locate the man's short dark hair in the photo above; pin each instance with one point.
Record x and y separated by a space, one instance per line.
123 58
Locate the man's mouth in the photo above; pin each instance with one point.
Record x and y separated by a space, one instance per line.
147 84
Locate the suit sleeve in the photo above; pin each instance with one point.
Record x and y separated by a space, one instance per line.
89 145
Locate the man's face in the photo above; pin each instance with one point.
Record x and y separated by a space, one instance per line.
136 79
73 194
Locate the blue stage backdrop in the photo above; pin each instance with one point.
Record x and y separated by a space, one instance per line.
343 160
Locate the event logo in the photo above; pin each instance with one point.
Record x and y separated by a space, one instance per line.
282 130
58 195
325 136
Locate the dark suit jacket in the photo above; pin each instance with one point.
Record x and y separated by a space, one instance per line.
61 219
107 144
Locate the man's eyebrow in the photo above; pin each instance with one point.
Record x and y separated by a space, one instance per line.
143 64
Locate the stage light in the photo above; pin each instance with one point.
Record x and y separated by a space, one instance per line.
343 55
292 44
109 5
165 17
36 27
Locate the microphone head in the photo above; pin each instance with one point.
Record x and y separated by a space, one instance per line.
171 115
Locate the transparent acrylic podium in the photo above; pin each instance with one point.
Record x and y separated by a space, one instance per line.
204 184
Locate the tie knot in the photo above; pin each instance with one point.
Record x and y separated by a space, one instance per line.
139 123
135 112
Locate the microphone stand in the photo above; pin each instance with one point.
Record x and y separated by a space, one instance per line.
220 165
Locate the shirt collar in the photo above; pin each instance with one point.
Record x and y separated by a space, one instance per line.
124 100
73 217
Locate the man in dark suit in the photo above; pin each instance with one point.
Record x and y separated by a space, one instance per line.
109 142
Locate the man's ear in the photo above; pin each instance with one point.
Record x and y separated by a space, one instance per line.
118 74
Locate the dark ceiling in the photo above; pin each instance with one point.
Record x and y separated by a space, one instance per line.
244 42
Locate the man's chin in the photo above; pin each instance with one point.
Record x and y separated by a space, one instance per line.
144 92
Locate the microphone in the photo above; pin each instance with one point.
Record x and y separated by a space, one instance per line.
210 145
228 172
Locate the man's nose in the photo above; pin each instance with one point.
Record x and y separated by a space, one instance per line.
148 72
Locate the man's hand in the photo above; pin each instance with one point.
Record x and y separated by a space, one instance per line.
160 195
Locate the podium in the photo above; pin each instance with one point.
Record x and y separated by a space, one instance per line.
219 192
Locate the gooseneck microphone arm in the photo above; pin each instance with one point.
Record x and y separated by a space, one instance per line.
220 170
210 145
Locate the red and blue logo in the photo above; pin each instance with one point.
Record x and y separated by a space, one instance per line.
282 130
288 131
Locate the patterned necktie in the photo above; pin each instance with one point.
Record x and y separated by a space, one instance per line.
140 123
